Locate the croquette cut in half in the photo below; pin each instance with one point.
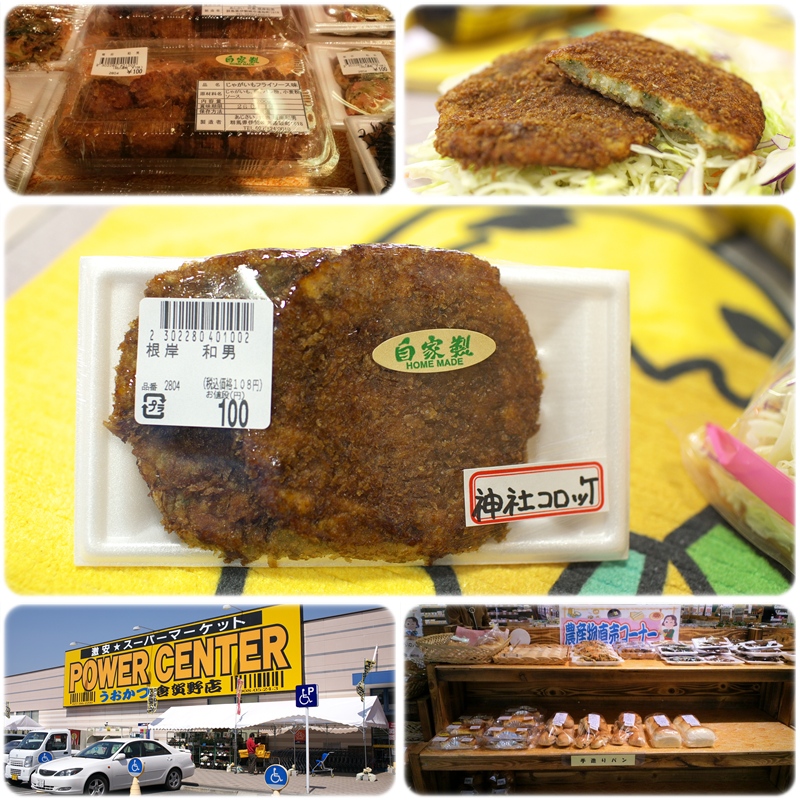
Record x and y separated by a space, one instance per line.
522 111
674 88
359 461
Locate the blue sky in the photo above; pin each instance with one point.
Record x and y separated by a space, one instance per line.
36 636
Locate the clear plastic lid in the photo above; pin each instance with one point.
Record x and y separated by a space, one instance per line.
193 22
212 110
41 37
357 78
348 20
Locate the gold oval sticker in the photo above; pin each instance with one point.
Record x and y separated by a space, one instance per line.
434 350
243 60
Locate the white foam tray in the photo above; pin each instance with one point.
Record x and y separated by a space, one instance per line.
579 319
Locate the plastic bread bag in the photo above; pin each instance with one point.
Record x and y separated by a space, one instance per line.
524 715
593 732
503 738
661 732
748 473
628 730
559 730
693 733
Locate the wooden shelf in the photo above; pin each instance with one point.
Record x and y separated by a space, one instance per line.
738 744
749 707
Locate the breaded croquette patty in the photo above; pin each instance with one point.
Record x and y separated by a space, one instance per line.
359 461
521 111
674 88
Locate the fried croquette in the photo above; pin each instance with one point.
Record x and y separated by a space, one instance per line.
196 476
678 91
367 463
522 111
359 461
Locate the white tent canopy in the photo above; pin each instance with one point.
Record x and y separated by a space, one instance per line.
21 722
335 715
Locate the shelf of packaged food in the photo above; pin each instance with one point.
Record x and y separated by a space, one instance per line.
749 707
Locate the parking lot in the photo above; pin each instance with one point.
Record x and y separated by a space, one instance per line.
209 781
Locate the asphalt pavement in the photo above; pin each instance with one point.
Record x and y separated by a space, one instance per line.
220 782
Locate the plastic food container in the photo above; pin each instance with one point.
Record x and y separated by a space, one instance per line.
579 320
347 20
372 145
357 78
189 23
41 37
199 110
30 98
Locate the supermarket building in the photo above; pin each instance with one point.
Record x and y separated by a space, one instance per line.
122 687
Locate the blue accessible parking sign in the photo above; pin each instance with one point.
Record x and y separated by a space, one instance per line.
306 695
276 776
44 757
135 766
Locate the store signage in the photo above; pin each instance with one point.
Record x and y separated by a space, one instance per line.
202 659
594 760
621 624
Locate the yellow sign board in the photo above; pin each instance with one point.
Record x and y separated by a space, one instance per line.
263 647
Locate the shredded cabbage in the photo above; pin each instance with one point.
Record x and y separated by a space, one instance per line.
669 166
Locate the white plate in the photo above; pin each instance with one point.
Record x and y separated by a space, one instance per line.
579 319
519 636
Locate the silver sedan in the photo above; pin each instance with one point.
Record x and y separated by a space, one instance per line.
111 764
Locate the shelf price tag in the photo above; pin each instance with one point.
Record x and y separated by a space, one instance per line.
597 760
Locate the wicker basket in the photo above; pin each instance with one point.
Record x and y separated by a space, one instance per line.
439 649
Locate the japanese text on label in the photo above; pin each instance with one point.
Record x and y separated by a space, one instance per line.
120 63
204 363
363 62
251 107
509 494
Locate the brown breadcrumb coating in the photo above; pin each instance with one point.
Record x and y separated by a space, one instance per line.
196 475
366 461
359 461
522 111
676 89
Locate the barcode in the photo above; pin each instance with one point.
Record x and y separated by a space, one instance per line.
363 62
81 697
118 61
206 315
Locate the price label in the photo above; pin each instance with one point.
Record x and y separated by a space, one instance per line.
204 363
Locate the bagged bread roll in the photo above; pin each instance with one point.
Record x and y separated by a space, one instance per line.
693 734
593 731
559 730
661 732
628 730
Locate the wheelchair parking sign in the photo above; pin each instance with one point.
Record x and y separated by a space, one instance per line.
306 695
276 777
135 766
45 757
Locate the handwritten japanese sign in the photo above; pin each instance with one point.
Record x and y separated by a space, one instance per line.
526 491
263 647
636 625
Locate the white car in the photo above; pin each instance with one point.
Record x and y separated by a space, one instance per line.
103 766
